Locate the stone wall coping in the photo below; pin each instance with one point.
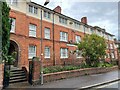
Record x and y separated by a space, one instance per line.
77 70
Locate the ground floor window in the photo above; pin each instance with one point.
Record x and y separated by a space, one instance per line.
63 53
112 55
108 55
32 51
47 52
78 39
78 54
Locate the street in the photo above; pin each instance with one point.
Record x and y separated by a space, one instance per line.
111 85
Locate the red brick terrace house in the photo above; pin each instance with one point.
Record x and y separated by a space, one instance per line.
59 33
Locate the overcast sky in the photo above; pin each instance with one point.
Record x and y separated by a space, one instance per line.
102 13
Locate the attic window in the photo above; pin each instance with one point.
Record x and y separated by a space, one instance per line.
33 9
13 2
62 20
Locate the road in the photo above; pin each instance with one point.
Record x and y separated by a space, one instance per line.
115 85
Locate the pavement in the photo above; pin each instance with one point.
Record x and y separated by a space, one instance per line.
81 82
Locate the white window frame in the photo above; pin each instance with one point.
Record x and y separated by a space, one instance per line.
62 20
106 36
98 32
33 9
47 15
116 45
112 55
47 52
32 51
63 53
77 39
107 45
108 55
13 25
103 34
111 46
91 31
32 30
13 2
47 33
63 36
83 28
30 7
77 25
105 56
77 54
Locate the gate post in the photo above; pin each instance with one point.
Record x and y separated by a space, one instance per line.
34 71
1 75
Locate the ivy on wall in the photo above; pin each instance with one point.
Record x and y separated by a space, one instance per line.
6 25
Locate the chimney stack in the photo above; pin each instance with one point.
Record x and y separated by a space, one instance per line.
84 20
57 9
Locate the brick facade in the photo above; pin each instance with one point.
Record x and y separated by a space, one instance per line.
23 40
21 37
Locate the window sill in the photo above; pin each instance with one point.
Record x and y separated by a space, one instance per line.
79 57
64 41
47 57
12 32
63 57
32 37
30 59
14 5
47 18
47 38
33 13
63 23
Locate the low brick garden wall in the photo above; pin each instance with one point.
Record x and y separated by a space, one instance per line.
75 73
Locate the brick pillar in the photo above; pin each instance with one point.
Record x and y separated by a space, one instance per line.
35 73
58 9
84 20
1 75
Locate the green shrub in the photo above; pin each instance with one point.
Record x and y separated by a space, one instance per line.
46 70
105 64
67 68
84 65
53 69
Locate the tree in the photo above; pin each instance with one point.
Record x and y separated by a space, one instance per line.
93 49
6 25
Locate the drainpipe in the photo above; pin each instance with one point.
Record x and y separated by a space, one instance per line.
118 57
84 30
54 62
41 53
41 41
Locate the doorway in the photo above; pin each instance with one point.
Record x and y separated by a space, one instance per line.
14 48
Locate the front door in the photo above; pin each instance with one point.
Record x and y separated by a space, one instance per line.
14 49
